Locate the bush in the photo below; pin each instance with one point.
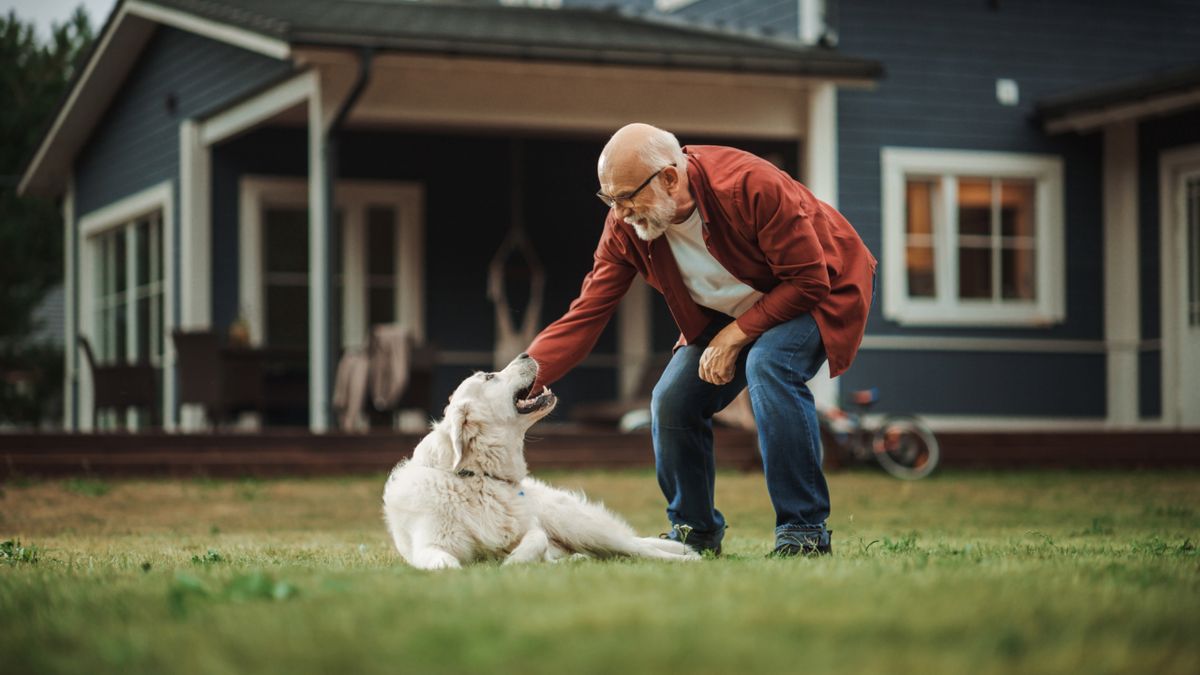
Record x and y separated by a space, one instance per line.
31 379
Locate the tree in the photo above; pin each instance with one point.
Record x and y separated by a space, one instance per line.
33 78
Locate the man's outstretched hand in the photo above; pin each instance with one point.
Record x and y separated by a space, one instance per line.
719 360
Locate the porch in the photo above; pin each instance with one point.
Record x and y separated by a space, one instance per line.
327 204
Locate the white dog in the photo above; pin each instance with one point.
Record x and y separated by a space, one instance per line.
465 495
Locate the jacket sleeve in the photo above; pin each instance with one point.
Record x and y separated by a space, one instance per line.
784 216
564 343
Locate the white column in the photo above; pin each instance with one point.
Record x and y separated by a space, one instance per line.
195 266
820 175
195 244
70 303
1122 315
633 339
318 269
811 22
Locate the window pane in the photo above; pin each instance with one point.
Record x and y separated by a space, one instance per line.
156 325
920 207
143 327
974 206
120 332
1018 276
381 306
287 315
920 272
974 273
143 252
1017 208
381 240
286 239
118 271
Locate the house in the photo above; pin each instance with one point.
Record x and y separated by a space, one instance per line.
315 168
1026 172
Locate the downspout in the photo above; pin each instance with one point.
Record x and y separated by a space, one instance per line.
332 247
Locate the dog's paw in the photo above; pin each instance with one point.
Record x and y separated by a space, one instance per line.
434 559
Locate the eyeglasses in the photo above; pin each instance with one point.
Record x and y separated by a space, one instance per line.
627 198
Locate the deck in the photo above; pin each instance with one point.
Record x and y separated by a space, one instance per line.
275 453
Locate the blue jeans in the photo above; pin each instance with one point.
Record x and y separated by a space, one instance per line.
776 367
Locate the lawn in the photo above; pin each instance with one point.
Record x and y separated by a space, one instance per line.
1043 572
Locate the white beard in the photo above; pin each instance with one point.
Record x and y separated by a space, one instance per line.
654 222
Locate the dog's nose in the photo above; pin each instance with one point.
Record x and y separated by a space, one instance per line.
523 355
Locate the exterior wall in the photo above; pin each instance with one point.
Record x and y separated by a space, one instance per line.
136 145
942 61
1154 137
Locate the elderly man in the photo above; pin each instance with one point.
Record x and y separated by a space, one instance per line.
765 282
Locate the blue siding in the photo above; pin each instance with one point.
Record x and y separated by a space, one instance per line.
136 145
961 383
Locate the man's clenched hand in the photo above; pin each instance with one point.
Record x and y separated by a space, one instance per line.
718 361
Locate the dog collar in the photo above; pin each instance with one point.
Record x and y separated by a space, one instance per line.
467 473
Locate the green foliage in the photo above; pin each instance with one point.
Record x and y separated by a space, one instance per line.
186 589
33 78
208 558
13 552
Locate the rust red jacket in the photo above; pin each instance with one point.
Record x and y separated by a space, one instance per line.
763 226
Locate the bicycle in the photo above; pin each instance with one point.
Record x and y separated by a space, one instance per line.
902 444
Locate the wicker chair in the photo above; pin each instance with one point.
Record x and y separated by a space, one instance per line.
122 385
225 382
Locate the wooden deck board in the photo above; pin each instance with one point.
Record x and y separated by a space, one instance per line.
301 453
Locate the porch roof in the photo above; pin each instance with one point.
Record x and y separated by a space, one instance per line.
605 36
1088 109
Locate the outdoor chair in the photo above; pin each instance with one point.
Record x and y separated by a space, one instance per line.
609 413
225 381
122 385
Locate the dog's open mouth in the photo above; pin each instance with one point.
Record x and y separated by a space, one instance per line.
526 404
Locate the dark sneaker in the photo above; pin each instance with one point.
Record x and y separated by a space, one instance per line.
807 549
790 546
683 533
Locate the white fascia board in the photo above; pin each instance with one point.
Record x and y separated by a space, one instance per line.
258 108
222 32
113 68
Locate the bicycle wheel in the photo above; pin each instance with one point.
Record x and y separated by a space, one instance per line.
905 447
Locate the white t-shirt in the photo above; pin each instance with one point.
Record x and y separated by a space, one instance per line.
707 281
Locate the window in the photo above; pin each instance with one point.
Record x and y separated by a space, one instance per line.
972 238
127 297
377 270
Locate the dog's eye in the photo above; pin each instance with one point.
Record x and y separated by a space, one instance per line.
489 376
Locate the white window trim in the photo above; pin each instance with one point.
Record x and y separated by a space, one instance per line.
158 198
353 197
947 310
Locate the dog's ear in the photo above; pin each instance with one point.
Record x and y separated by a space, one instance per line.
457 426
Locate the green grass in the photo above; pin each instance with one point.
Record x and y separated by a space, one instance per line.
983 573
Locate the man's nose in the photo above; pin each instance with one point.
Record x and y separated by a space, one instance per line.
622 211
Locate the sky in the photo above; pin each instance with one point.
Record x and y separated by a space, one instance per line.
45 12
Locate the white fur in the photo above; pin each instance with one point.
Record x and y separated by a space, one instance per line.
439 518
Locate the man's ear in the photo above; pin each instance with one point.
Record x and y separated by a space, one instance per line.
456 427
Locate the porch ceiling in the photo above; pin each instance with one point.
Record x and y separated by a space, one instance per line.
421 91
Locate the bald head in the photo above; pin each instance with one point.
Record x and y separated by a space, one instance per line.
643 172
637 149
